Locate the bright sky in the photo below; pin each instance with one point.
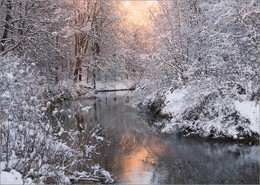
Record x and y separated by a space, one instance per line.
136 14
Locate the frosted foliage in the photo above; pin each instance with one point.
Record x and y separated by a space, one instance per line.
28 142
25 133
207 113
210 59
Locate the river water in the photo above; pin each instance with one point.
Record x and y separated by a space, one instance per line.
135 153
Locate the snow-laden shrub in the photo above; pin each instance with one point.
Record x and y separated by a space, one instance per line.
28 143
207 111
26 140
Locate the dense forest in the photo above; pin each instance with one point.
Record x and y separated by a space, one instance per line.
193 65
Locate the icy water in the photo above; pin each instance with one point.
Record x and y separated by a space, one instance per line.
136 154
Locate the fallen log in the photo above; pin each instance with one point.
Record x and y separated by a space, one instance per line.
113 90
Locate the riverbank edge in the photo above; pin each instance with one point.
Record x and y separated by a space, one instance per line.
159 119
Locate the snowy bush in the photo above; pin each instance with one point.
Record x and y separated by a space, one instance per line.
28 144
211 50
25 131
206 111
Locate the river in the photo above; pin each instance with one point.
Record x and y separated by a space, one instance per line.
136 154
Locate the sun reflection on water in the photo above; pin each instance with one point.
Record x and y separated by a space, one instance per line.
137 162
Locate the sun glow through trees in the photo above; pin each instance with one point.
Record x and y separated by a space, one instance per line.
137 14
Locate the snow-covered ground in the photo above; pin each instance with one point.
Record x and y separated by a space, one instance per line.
208 112
13 178
249 110
115 85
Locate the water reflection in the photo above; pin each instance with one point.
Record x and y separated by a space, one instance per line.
136 155
133 166
72 122
196 160
137 158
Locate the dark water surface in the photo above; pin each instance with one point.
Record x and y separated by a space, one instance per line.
136 154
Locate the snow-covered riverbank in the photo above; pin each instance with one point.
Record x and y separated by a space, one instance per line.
209 112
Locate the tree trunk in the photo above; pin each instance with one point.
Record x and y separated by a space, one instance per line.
8 19
94 73
78 70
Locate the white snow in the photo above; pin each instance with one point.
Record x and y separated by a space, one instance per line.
180 101
48 104
86 108
55 111
2 165
6 94
12 177
100 138
174 102
60 132
105 173
168 128
90 149
115 85
250 110
10 76
55 33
